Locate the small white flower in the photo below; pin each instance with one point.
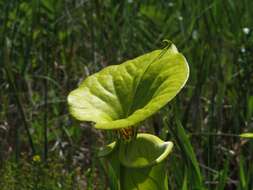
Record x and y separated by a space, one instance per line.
243 50
171 4
195 34
180 18
246 30
240 60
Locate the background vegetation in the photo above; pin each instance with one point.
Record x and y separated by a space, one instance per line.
47 47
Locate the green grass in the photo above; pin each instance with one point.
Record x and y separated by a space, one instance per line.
47 47
54 175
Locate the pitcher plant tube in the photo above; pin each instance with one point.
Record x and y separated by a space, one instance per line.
118 98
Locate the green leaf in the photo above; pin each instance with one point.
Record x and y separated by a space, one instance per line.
138 164
145 150
246 135
110 162
194 176
107 149
148 178
123 95
143 163
242 173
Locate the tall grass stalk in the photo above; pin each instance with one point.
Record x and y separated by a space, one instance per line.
19 105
